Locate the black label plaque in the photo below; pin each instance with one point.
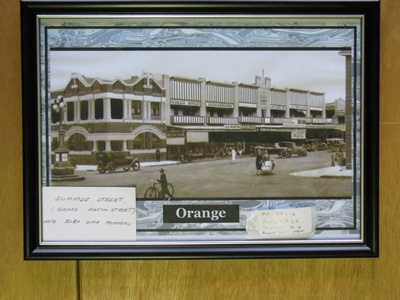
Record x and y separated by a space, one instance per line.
201 213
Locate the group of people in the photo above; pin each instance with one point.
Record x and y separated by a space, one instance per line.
340 158
261 158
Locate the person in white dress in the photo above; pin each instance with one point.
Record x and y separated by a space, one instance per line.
233 155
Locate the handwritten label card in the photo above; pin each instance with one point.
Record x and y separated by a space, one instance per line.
296 223
89 214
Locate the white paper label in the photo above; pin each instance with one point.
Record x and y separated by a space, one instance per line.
282 223
89 214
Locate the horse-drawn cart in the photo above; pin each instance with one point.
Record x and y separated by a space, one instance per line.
111 160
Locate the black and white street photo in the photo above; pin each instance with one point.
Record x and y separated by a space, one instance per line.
194 117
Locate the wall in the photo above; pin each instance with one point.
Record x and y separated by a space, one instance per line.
197 279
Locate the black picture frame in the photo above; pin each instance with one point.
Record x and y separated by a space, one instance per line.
365 88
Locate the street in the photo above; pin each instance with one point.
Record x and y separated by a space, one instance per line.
221 178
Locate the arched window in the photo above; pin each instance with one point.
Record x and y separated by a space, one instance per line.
143 141
77 142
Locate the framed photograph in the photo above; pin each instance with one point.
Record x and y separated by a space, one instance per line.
198 129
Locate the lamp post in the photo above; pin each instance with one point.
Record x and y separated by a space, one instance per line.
62 150
62 168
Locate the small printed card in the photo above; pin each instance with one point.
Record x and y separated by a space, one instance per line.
295 223
88 215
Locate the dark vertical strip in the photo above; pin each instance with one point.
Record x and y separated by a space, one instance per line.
45 151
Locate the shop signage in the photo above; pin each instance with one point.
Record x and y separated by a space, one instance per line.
298 134
299 107
185 102
278 107
219 105
232 126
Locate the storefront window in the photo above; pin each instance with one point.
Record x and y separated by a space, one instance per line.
155 142
116 145
101 145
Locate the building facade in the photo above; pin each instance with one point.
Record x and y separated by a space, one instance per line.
171 113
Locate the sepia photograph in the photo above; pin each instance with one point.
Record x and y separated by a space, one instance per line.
205 117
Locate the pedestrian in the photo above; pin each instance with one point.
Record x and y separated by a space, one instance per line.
164 185
259 161
341 159
158 155
332 160
233 154
267 157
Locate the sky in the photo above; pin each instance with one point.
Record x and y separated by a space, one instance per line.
320 71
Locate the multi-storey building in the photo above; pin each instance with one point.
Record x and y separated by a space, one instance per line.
336 111
174 114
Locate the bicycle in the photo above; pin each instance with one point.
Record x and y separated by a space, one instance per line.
154 192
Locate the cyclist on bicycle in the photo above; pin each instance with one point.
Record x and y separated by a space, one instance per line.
164 188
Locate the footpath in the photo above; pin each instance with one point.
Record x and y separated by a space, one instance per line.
329 172
142 164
